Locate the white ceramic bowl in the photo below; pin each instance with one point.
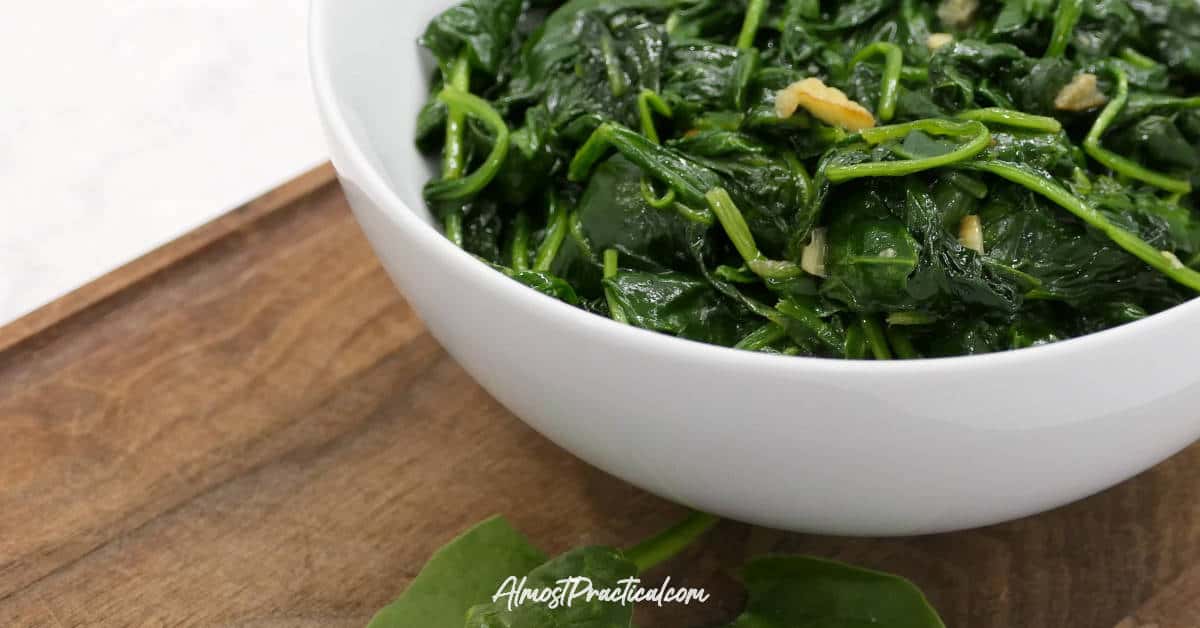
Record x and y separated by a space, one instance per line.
860 448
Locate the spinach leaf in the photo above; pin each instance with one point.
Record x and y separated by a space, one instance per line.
468 569
871 254
483 27
804 592
680 305
603 566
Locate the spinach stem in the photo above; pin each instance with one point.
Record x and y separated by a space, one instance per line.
652 199
1065 20
668 543
520 242
856 342
454 153
556 233
1041 184
893 65
1117 163
743 72
812 321
901 344
1010 117
688 180
876 339
739 233
650 103
611 258
904 318
454 226
617 82
761 338
1137 59
469 185
980 139
754 15
914 74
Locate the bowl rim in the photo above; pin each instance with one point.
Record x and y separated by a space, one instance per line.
374 185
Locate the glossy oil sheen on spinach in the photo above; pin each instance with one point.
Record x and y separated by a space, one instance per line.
626 156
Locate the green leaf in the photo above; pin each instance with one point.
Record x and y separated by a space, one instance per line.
605 567
871 255
803 592
484 27
680 305
464 572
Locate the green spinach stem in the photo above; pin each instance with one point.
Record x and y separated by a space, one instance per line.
754 15
979 134
454 226
902 344
1065 20
889 88
520 242
668 543
856 342
454 153
617 82
735 226
1137 59
556 233
650 103
689 181
469 185
1041 184
611 259
1120 164
1010 117
761 338
811 320
876 338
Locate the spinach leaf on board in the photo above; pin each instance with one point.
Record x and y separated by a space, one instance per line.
603 566
468 569
476 581
804 592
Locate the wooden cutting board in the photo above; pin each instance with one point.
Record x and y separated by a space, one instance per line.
249 427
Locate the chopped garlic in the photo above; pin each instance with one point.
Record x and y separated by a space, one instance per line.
812 259
1171 257
827 104
970 233
939 40
957 14
1081 94
888 253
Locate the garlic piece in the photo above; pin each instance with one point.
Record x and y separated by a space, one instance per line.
1081 94
970 233
957 14
827 104
939 40
812 259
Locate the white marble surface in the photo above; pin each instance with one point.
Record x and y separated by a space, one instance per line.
125 123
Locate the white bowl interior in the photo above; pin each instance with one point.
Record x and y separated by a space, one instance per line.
380 104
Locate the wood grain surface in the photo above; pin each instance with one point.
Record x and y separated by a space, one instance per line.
249 427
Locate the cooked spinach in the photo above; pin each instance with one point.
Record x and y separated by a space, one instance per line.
857 179
462 586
